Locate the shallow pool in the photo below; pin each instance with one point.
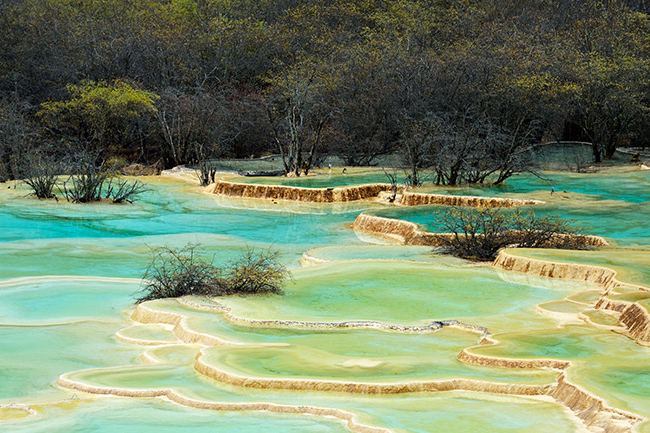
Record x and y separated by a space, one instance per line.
365 316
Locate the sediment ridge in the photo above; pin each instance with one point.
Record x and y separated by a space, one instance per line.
356 192
181 330
591 410
637 320
602 276
294 193
410 233
472 358
309 260
403 232
348 418
634 316
418 199
368 387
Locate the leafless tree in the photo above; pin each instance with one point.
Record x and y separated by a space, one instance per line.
297 116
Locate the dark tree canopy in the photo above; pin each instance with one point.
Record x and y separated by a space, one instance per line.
173 82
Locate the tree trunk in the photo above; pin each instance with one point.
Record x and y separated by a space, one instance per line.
595 147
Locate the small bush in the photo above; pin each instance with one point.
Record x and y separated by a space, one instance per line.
254 272
120 191
479 233
175 272
87 181
90 180
41 174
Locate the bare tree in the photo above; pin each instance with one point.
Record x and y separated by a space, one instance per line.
466 147
297 115
192 126
16 136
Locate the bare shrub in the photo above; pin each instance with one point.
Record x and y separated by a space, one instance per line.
85 185
255 271
479 233
40 174
120 190
179 272
90 180
392 179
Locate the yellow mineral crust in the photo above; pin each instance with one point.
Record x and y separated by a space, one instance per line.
592 410
416 199
294 193
637 320
181 330
595 414
308 260
355 192
569 271
405 232
472 358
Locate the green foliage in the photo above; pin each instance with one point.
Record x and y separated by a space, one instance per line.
175 272
479 233
99 111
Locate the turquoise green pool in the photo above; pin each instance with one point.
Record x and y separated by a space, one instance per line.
365 315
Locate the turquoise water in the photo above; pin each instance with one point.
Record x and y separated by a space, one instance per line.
168 209
69 274
46 238
609 209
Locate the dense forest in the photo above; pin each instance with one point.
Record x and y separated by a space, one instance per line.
461 87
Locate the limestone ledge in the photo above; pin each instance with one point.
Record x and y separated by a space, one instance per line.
404 232
593 411
294 193
308 260
634 316
184 333
417 199
15 411
637 320
139 341
409 233
348 418
357 192
602 276
472 358
367 387
181 330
